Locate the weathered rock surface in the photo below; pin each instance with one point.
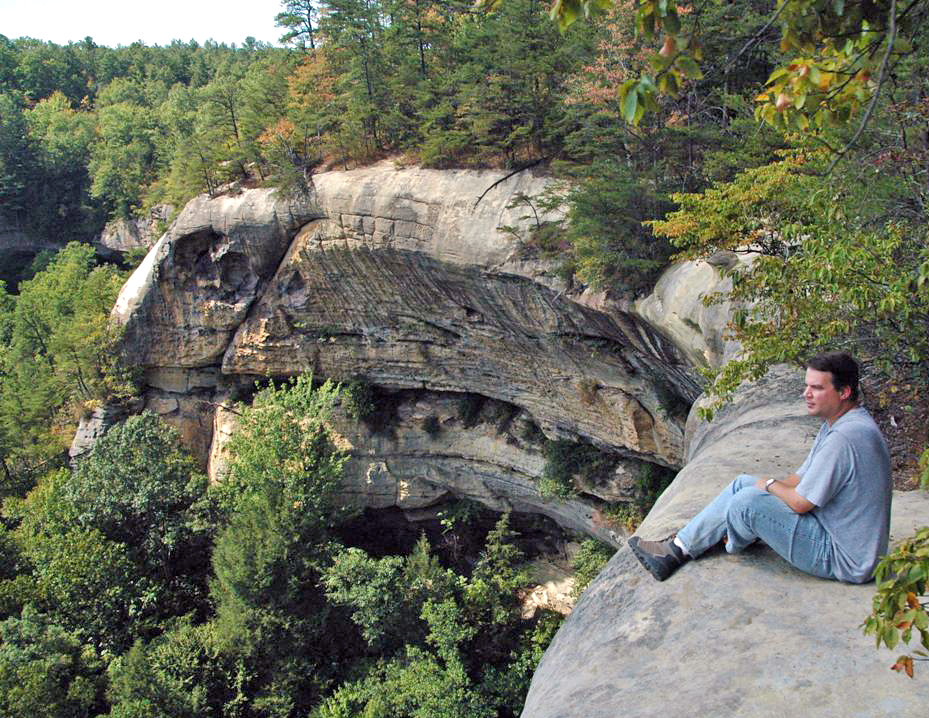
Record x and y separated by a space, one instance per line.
183 303
403 279
406 284
744 635
428 456
122 235
676 307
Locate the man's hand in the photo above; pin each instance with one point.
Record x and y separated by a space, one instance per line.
785 491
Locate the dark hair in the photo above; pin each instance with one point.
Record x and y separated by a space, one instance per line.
843 368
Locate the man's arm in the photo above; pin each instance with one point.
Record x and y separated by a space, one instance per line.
785 490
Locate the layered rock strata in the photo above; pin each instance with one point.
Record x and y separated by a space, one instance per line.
408 280
429 454
744 635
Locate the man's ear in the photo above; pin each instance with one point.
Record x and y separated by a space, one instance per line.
845 393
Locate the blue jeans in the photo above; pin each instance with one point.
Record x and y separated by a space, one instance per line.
743 514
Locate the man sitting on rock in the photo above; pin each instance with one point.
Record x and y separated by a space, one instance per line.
830 519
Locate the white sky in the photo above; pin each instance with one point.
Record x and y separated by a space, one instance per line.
117 22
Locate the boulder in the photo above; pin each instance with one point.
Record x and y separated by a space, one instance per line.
194 288
743 635
122 235
676 307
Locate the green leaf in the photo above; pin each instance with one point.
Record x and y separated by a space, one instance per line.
630 105
690 68
779 72
891 636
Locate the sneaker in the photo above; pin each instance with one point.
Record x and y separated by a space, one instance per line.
661 558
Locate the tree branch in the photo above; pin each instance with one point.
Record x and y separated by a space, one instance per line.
882 77
506 177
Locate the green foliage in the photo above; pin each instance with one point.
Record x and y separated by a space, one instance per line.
469 409
279 495
121 544
63 138
17 587
899 607
840 53
564 460
90 584
123 164
359 400
589 560
282 443
468 652
138 488
56 354
46 671
179 674
387 595
822 278
610 246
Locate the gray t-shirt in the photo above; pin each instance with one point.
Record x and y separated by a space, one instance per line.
847 476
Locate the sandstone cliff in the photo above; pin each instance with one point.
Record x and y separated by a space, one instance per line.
403 279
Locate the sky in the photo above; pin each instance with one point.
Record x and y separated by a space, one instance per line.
117 22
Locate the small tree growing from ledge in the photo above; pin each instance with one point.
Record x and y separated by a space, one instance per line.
899 606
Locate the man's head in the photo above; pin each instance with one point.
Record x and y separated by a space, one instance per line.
831 385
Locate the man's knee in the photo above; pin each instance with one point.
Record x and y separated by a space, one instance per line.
743 481
745 502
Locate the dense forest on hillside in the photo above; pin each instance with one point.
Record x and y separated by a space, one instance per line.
130 588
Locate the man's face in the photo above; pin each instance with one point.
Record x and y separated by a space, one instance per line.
821 397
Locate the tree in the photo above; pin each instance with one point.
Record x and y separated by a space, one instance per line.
841 55
179 674
279 494
298 20
18 163
387 595
44 67
122 544
63 138
57 356
139 489
611 249
470 653
899 607
123 161
821 277
47 672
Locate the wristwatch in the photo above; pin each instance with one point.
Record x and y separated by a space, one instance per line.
767 485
